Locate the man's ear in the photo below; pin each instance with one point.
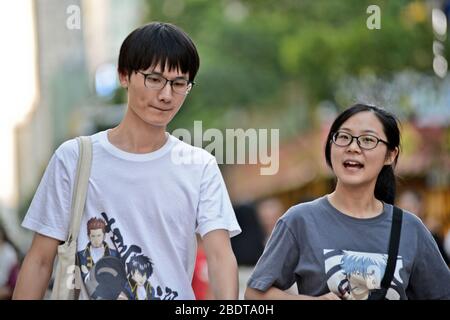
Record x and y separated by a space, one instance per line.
124 80
189 88
390 156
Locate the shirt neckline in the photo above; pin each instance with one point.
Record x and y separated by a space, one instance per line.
329 207
138 157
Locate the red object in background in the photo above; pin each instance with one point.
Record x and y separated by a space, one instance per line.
13 275
200 282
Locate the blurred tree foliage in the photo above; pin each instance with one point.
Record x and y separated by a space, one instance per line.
267 57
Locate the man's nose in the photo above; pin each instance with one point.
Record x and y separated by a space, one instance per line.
166 92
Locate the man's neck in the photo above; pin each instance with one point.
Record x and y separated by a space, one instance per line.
137 137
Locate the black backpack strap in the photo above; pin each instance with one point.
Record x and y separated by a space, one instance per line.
393 247
394 241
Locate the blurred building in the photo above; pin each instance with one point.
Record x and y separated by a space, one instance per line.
302 172
62 87
55 49
19 95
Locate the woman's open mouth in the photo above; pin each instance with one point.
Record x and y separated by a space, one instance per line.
352 165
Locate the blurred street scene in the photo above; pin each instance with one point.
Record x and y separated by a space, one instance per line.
286 65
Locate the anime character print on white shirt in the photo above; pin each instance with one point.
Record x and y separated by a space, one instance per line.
116 271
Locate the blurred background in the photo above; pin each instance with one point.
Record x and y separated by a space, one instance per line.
290 65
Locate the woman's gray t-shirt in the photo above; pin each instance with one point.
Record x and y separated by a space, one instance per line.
323 250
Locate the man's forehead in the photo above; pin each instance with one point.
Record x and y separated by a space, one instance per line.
176 71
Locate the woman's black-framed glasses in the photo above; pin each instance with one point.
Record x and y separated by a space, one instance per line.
157 82
365 141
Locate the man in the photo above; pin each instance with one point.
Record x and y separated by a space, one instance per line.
97 248
156 190
9 265
138 287
269 211
413 202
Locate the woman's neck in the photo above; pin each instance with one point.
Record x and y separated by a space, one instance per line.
358 203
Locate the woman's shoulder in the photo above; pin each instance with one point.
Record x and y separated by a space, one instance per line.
414 223
412 220
303 211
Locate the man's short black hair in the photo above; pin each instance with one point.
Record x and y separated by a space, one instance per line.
158 43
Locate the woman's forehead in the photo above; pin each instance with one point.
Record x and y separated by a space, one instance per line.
363 122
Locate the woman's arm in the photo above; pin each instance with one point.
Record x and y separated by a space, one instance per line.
277 294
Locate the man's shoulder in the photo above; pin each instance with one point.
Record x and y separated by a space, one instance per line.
67 153
68 148
188 154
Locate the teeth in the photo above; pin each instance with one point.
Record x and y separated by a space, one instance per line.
352 163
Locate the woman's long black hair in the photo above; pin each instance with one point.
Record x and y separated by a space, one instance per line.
385 187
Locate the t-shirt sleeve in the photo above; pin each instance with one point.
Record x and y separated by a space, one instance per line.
276 266
215 210
430 276
49 211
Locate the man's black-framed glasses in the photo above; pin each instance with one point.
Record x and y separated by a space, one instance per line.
365 141
157 82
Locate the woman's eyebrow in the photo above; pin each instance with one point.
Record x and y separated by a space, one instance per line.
364 131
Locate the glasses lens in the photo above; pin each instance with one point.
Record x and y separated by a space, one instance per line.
158 82
180 86
368 142
154 81
342 139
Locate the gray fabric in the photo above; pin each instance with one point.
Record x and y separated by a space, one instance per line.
313 243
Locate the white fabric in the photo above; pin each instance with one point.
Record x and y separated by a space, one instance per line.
142 294
157 203
97 253
8 259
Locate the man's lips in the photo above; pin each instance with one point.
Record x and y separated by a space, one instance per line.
160 109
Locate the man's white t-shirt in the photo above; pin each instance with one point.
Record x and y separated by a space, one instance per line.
152 205
97 253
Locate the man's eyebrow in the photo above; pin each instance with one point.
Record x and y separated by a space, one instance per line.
160 74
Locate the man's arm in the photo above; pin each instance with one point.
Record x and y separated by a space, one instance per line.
36 269
222 265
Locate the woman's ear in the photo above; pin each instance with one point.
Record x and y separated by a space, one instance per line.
390 156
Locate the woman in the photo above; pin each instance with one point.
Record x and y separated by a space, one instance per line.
9 265
336 246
